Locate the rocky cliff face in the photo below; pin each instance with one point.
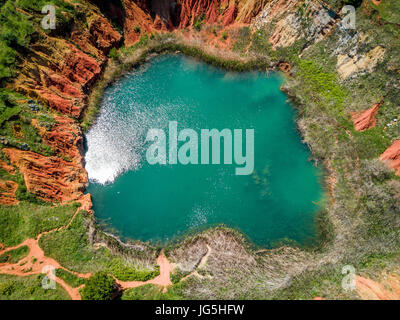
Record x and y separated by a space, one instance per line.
60 69
143 16
60 178
366 119
58 72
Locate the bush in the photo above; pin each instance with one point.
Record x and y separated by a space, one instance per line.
7 288
114 54
73 280
14 256
98 287
124 272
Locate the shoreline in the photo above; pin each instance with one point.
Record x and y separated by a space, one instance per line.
114 70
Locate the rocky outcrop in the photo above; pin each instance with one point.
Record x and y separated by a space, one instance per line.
190 10
137 20
348 66
51 179
230 15
103 35
60 178
291 27
143 17
366 119
392 156
7 192
249 10
273 10
58 71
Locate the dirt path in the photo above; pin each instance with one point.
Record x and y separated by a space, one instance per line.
201 265
388 289
163 280
37 263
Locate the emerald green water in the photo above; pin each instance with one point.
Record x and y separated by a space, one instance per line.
158 203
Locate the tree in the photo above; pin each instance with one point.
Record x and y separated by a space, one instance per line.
98 287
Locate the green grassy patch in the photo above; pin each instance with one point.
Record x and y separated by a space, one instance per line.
73 280
28 288
71 247
153 292
27 220
389 10
125 272
14 256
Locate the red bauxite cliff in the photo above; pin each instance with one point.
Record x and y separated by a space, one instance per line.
392 156
365 120
60 70
143 16
60 178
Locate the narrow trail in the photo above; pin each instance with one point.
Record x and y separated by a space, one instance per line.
201 265
36 263
163 280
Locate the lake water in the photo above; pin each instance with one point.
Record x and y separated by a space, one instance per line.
158 203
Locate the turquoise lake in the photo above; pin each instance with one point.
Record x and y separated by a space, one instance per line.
159 203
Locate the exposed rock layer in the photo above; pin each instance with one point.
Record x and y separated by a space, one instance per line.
366 119
392 156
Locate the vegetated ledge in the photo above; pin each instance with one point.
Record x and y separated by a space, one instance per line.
131 58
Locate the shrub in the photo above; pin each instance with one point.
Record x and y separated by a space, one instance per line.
114 54
137 29
98 287
7 288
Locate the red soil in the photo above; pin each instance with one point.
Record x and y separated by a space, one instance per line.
50 178
388 289
7 192
392 156
366 119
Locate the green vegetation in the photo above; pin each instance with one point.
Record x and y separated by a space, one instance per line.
16 129
27 220
365 193
28 288
71 248
198 23
322 83
15 36
125 272
15 255
243 39
153 292
98 287
389 10
71 279
178 275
